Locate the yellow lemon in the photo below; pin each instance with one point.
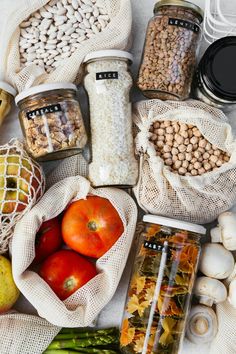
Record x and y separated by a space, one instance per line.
8 290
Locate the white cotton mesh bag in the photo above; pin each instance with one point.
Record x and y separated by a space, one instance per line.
82 307
225 340
22 184
114 35
25 334
198 199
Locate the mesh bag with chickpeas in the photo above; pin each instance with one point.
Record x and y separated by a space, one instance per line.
187 160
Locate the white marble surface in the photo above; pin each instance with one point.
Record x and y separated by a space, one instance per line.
142 11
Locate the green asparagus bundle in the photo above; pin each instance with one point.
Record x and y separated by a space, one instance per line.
71 341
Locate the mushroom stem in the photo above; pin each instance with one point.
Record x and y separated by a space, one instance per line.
216 235
206 300
232 293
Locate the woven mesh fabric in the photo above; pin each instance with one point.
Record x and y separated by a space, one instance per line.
225 341
159 191
84 305
115 35
21 185
25 334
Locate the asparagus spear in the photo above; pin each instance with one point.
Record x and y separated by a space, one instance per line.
62 351
83 342
96 350
69 333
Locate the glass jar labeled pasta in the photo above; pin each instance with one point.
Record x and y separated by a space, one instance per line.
170 49
51 121
160 288
108 83
7 94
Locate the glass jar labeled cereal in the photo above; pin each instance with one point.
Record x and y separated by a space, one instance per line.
108 83
170 48
162 280
51 121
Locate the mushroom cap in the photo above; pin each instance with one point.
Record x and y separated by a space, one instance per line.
202 324
227 225
210 291
232 293
216 261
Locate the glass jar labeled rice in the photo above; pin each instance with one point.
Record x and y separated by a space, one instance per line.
108 83
51 121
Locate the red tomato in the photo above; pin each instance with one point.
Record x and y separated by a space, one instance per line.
91 226
66 271
48 240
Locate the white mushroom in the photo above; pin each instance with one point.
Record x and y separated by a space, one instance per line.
232 293
210 291
225 232
231 277
202 325
216 261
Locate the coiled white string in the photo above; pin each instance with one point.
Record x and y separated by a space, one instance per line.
216 24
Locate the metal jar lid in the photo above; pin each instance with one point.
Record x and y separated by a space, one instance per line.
217 69
180 3
44 88
176 224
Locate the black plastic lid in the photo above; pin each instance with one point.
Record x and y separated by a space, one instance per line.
217 68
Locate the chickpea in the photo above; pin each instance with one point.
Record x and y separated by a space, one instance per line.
184 134
166 148
181 156
169 137
160 144
170 130
213 158
160 131
206 156
167 155
194 173
194 140
156 125
153 137
177 164
189 148
182 148
202 143
201 171
168 162
185 164
188 156
182 171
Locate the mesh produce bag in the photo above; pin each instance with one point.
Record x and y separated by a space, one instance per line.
225 340
21 185
25 334
81 308
198 199
114 35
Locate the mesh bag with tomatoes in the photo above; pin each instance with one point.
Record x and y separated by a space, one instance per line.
21 185
95 261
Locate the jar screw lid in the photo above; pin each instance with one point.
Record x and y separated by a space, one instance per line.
44 88
181 3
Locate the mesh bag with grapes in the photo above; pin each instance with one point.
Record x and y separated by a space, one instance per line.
187 160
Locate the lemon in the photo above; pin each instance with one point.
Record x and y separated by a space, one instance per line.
8 290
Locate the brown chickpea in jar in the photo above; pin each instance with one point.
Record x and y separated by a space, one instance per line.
170 48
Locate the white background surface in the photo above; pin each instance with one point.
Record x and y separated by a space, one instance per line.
142 11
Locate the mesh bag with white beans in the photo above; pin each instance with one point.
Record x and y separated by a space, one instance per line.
82 307
198 199
47 40
22 184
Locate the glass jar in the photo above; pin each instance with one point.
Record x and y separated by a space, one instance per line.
108 83
7 94
215 79
51 121
170 49
160 288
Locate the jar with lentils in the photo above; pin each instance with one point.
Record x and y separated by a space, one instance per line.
170 49
51 121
